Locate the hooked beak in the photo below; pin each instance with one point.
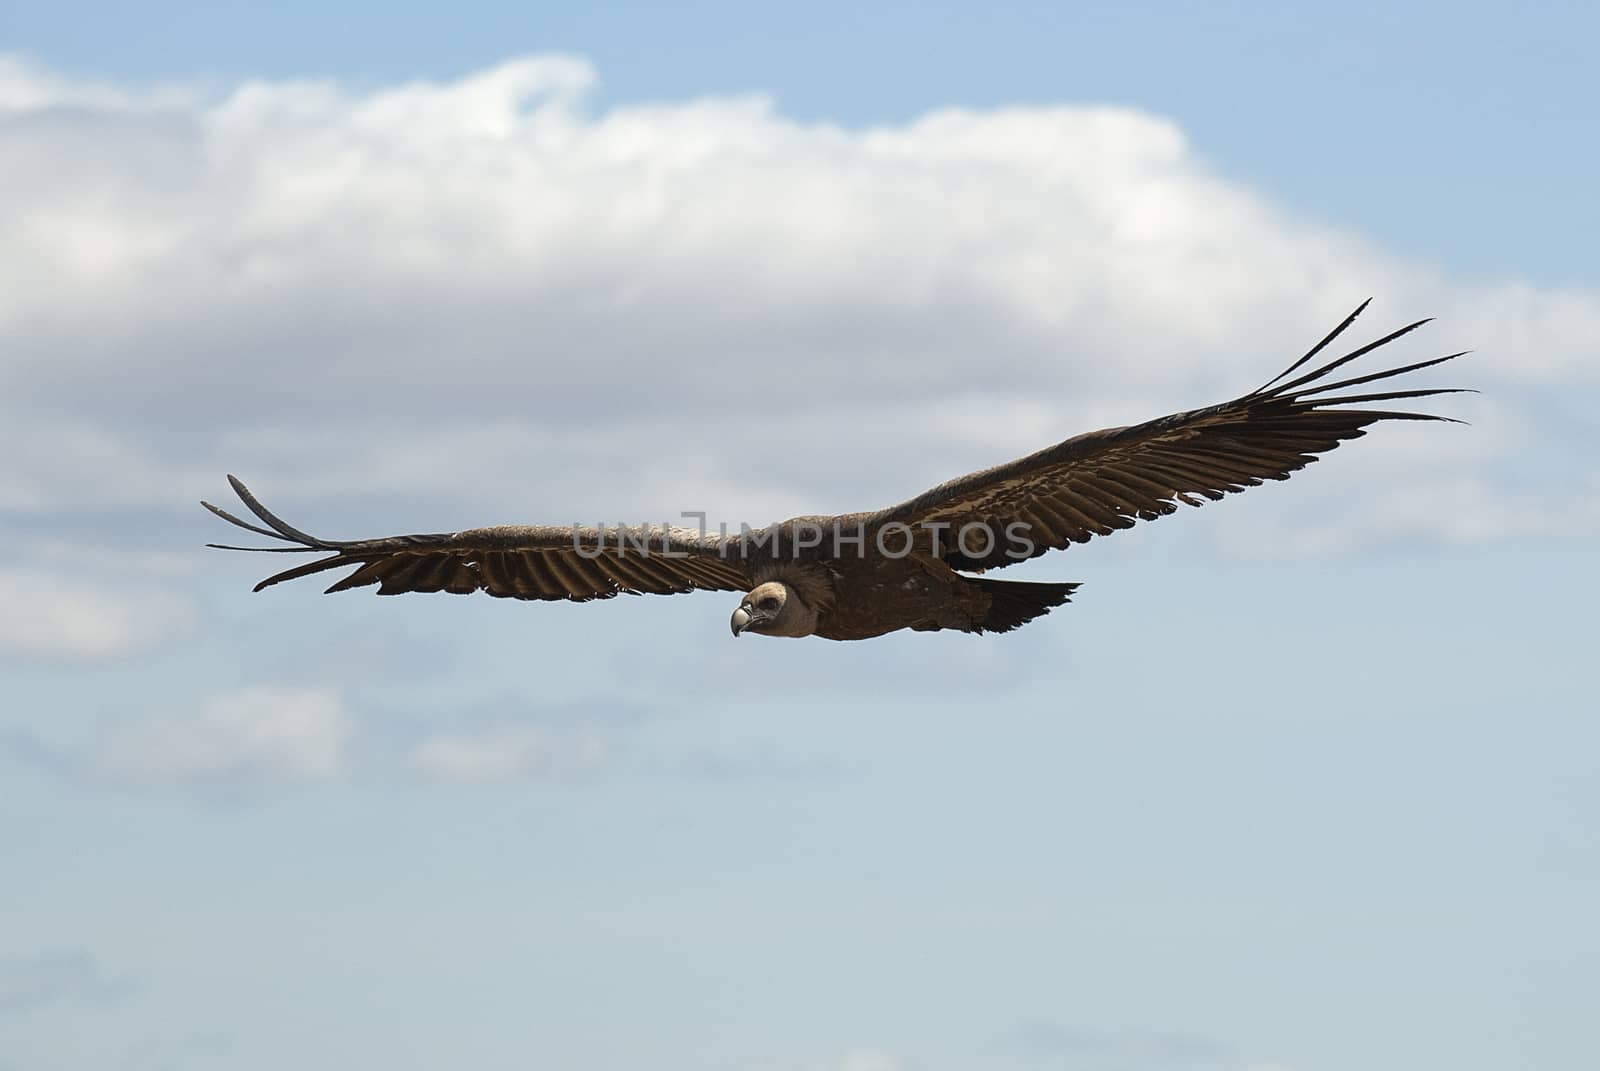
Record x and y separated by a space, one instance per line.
741 620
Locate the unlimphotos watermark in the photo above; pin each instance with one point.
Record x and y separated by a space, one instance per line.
978 540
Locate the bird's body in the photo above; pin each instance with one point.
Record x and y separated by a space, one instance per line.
857 597
860 575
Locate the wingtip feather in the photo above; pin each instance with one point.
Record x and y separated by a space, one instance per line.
1340 329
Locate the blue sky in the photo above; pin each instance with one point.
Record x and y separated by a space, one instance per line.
1300 781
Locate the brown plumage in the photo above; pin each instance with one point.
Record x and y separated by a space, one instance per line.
860 575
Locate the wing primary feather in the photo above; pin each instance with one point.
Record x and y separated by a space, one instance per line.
1374 376
1389 395
318 566
283 528
1288 388
246 525
1318 348
1372 416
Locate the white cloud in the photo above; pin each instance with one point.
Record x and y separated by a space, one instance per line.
482 295
252 734
508 753
44 614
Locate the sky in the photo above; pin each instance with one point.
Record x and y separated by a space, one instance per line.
1300 781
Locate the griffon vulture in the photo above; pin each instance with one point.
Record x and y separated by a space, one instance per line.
860 575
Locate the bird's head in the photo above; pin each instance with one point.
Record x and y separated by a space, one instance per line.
774 609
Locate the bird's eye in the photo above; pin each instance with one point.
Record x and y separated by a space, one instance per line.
768 603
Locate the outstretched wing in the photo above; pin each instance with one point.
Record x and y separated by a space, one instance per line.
514 562
1097 483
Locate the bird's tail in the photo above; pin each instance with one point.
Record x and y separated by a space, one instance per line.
1013 603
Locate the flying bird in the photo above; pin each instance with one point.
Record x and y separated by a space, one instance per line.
860 575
